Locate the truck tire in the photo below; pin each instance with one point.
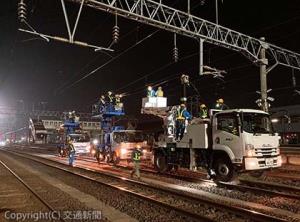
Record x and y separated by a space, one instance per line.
160 162
224 170
115 159
107 158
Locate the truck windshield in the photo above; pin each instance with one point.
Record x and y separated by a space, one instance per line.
129 137
80 138
257 123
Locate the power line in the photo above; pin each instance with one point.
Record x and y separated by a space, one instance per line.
109 61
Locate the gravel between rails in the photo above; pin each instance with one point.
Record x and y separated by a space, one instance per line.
59 200
292 205
135 207
15 197
277 202
98 175
182 202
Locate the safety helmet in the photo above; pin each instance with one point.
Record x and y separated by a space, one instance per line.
102 96
182 105
109 93
138 146
220 100
149 87
203 106
160 88
69 139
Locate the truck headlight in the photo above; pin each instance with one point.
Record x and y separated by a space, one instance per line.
95 142
250 151
123 151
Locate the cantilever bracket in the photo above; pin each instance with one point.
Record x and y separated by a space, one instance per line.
71 33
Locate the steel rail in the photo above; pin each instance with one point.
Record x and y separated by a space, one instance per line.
255 215
32 191
124 189
237 186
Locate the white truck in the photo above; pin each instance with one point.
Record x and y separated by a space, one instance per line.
119 144
230 141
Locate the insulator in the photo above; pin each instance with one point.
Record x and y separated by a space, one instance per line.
175 54
22 11
115 34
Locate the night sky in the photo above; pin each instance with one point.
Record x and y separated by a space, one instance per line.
35 71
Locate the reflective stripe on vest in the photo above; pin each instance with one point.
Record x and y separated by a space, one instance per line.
180 115
137 156
204 113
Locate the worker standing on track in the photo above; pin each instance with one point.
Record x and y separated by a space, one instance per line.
181 116
136 159
71 150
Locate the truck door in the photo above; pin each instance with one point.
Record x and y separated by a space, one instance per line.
226 135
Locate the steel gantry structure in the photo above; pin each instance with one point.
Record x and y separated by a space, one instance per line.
161 16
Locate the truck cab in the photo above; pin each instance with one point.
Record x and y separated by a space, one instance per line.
244 140
81 143
122 142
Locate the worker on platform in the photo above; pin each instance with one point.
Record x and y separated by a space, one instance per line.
136 159
102 100
71 150
150 92
220 104
110 101
110 97
181 116
159 92
119 104
203 111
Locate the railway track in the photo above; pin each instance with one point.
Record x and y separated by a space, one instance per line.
31 190
132 187
257 187
243 185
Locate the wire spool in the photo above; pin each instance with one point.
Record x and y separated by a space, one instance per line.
22 11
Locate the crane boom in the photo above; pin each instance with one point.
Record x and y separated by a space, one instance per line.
164 17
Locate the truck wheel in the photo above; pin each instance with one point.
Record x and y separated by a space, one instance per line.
224 170
115 159
107 158
160 162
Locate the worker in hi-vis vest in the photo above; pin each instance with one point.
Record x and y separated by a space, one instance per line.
181 116
136 159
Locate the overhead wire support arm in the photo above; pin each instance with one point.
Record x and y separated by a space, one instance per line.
164 17
71 32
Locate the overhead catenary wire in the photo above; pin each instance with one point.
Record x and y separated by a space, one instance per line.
111 60
92 61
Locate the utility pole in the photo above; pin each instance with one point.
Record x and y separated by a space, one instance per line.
189 6
263 62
